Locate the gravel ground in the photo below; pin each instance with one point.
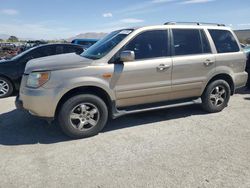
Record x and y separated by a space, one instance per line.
179 147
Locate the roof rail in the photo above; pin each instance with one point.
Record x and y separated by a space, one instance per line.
193 23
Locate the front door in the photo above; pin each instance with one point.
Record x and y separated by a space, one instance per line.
148 78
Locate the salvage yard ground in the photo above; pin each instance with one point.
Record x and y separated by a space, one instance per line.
179 147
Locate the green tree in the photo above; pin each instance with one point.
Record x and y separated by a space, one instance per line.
13 39
1 40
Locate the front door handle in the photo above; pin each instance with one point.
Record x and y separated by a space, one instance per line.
163 67
208 62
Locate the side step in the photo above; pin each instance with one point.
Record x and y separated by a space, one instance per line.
118 113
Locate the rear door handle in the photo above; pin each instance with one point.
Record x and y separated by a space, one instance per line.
163 67
208 62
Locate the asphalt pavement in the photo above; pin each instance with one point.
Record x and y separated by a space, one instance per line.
179 147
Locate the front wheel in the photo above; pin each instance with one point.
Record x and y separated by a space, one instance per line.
6 87
83 116
216 96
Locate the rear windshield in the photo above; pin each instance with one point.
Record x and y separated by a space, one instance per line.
224 41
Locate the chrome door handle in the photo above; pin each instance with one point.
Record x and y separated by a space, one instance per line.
163 67
208 62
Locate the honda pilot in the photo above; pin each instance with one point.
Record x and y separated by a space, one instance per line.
135 70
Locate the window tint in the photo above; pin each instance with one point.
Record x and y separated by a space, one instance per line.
73 49
205 44
35 53
48 50
78 50
59 49
150 44
224 41
187 41
85 44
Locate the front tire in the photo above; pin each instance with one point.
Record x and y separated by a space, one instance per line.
83 116
216 96
6 88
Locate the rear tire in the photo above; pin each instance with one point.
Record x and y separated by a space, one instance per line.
6 88
248 82
83 116
216 96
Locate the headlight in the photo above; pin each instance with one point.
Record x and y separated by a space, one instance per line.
37 79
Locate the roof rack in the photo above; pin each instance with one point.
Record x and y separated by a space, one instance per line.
193 23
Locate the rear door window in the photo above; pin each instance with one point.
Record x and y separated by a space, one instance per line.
189 42
224 41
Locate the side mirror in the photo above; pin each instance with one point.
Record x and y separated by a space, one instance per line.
126 56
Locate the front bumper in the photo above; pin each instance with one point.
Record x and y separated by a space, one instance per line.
39 102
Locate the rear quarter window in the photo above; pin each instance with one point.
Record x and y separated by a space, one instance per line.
224 41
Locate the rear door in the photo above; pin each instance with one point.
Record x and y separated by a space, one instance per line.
193 62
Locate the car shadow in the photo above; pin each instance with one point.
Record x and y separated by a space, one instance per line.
243 91
20 128
153 116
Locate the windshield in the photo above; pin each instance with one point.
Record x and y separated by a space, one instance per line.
105 45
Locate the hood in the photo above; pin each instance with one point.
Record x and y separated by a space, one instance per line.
57 62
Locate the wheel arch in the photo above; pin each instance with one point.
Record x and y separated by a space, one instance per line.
222 76
95 90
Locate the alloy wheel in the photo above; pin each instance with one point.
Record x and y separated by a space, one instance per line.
84 116
4 88
218 96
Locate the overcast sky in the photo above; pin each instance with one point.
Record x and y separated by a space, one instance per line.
56 19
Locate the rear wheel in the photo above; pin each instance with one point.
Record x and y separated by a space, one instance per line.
6 87
83 116
248 81
216 96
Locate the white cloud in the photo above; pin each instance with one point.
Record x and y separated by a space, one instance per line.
162 1
196 1
35 30
107 15
131 20
144 7
10 12
244 24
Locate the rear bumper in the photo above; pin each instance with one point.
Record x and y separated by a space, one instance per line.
240 80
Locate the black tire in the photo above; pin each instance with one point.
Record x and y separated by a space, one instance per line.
209 99
8 86
66 122
248 82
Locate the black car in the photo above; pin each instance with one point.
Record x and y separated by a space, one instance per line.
11 71
248 69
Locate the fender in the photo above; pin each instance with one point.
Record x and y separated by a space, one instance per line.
219 70
83 82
